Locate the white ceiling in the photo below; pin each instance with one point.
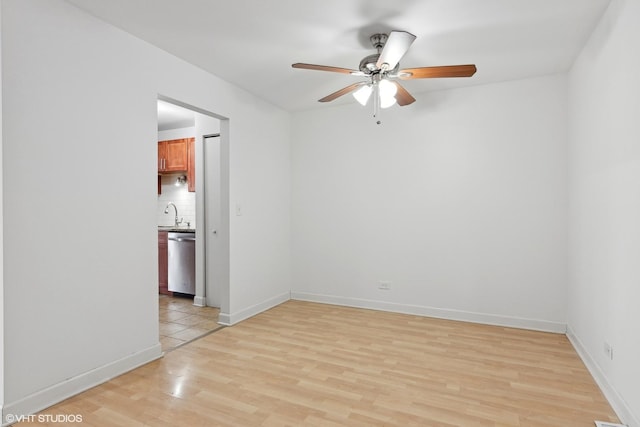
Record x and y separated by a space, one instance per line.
252 43
171 116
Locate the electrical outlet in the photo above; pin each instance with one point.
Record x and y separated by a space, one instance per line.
238 209
384 285
608 350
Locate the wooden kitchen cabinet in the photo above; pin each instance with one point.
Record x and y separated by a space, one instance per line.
191 165
172 155
163 259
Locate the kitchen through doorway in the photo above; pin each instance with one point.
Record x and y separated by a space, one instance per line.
192 192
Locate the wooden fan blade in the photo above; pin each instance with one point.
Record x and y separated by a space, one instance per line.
394 49
402 96
342 91
435 72
326 68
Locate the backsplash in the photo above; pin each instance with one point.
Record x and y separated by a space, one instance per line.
181 197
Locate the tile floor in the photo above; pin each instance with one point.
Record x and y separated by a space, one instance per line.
181 321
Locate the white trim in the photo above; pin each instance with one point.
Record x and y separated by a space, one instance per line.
608 424
72 386
2 327
441 313
610 393
229 319
224 319
199 301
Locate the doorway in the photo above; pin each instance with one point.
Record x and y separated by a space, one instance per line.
184 318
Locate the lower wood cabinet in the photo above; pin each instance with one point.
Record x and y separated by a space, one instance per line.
163 258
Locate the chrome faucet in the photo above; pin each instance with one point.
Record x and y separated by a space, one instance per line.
166 210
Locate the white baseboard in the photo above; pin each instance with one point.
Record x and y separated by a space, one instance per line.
229 319
615 400
199 301
441 313
72 386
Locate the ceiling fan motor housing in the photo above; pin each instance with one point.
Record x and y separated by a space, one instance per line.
368 65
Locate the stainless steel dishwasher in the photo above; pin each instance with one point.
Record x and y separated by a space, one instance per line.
182 262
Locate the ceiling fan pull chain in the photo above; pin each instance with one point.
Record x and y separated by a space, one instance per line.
376 101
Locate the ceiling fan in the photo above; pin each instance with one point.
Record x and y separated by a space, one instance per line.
382 69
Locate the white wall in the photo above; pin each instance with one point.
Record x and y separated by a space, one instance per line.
458 200
604 209
260 179
78 282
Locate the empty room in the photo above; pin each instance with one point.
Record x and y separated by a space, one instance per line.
404 213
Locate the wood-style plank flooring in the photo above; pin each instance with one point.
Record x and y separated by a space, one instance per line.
306 364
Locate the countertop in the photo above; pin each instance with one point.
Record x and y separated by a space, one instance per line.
174 229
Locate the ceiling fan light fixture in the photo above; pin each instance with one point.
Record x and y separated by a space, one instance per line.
363 94
383 68
387 91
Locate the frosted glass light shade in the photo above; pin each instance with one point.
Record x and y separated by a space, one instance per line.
387 91
363 94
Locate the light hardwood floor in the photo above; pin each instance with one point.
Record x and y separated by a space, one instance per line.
320 365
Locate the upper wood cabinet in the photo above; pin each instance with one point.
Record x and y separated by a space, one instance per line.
172 155
191 165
